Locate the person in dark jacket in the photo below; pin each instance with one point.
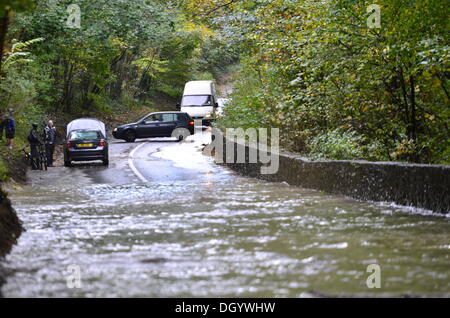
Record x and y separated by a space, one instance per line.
10 129
33 139
50 140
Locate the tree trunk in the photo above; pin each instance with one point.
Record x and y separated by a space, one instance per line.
405 97
117 67
4 21
67 90
412 95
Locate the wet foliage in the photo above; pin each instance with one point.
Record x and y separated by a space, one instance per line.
314 67
107 59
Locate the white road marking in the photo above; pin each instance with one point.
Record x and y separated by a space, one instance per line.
133 167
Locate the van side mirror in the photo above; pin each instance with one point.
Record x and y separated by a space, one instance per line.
178 106
216 105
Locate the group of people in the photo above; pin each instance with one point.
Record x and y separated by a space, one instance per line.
48 139
7 127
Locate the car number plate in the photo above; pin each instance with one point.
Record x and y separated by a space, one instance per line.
84 145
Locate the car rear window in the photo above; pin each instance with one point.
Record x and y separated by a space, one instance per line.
85 135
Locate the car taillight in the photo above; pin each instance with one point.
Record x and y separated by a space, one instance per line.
191 123
102 143
69 144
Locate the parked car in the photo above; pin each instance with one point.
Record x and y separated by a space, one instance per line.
86 141
199 100
161 124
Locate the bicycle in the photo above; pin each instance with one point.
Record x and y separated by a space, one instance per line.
40 162
42 157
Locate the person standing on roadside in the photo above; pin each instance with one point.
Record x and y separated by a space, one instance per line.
33 139
10 129
50 140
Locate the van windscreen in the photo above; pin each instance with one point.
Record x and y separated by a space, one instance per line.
196 100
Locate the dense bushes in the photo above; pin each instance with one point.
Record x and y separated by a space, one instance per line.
344 145
123 49
126 54
4 171
316 68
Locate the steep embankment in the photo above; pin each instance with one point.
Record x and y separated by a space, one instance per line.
10 225
10 230
14 170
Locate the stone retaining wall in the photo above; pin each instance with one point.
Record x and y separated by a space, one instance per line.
418 185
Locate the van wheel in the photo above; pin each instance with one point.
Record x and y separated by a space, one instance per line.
130 136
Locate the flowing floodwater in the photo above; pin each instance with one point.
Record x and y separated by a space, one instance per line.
220 235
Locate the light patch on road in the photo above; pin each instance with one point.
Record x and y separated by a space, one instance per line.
188 154
133 167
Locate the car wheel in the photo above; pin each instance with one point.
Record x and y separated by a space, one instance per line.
67 163
106 162
180 133
130 136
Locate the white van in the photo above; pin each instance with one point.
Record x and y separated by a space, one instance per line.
199 100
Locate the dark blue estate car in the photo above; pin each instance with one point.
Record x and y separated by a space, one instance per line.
161 124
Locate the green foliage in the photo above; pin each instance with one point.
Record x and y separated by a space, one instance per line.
151 65
337 144
4 171
323 70
24 79
178 52
343 145
313 69
126 50
95 63
247 108
19 54
15 5
216 55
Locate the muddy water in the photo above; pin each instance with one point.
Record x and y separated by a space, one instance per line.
220 235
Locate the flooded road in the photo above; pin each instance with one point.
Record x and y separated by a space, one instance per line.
165 221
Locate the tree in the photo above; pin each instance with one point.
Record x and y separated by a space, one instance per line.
7 8
322 69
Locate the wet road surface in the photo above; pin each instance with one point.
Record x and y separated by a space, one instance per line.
165 221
